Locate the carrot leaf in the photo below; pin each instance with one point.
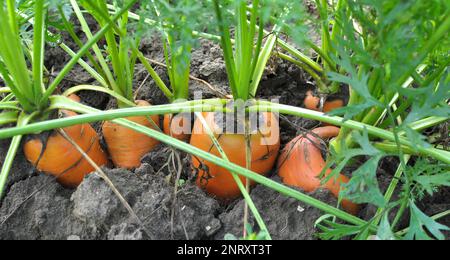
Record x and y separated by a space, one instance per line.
330 230
363 186
419 222
385 229
427 176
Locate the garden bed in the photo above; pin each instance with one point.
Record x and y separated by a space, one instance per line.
85 93
36 207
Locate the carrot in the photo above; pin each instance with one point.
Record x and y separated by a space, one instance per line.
127 147
334 185
326 132
218 181
57 156
311 101
301 164
177 126
75 98
332 105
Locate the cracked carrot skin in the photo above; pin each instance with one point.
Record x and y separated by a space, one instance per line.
58 157
218 181
301 163
126 146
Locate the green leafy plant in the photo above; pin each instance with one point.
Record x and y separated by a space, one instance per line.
178 41
92 115
420 223
175 22
391 55
122 53
122 49
386 51
24 75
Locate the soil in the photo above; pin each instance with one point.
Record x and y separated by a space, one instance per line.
36 207
285 218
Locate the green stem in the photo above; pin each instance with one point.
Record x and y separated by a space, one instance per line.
78 41
113 94
235 168
11 5
320 84
325 56
159 82
263 57
400 212
5 90
282 44
236 178
391 189
209 105
13 66
121 32
83 51
10 105
8 117
248 165
38 50
300 56
8 98
112 83
227 50
425 123
326 45
100 12
13 148
337 30
96 74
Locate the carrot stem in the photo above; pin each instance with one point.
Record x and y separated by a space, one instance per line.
59 102
248 165
83 51
13 148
